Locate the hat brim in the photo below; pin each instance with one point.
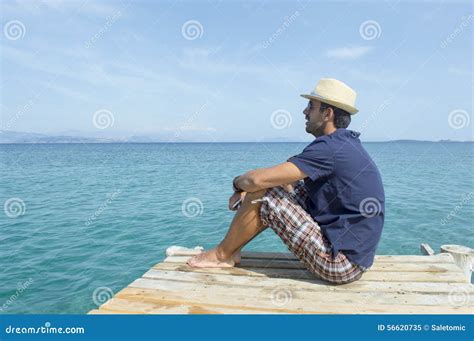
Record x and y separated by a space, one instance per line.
349 108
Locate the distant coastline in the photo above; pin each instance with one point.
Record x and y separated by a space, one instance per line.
13 137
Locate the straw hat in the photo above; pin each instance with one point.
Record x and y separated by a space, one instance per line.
336 93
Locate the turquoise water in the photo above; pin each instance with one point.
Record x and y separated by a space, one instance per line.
100 215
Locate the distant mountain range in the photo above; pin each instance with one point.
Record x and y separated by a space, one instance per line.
81 137
166 137
100 137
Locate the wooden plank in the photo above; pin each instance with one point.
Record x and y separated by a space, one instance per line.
300 299
436 259
395 284
451 277
238 271
112 312
440 258
426 249
94 312
292 264
416 267
126 304
419 276
263 301
378 258
311 285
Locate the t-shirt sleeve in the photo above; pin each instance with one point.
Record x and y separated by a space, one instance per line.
316 160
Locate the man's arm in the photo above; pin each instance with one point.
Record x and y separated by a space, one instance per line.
263 178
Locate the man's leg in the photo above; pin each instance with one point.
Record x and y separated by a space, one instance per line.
244 227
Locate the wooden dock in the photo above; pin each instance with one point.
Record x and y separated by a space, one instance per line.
273 283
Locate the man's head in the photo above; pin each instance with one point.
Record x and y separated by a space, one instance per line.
330 106
323 118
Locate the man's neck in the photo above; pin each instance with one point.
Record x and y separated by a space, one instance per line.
329 129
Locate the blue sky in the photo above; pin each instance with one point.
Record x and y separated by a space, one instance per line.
234 72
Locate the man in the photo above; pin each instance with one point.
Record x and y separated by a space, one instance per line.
327 204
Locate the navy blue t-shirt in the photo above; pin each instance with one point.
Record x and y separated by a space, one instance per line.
346 196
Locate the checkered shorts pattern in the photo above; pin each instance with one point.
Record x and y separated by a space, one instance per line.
285 212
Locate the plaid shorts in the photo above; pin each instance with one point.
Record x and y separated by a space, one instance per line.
285 212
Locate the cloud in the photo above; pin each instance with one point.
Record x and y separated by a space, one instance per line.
66 91
384 76
91 70
209 61
459 71
354 52
204 60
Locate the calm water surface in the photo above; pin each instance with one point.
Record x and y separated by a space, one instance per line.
100 215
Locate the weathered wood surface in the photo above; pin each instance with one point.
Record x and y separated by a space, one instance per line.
426 249
273 283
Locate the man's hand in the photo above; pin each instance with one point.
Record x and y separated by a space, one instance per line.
234 198
289 187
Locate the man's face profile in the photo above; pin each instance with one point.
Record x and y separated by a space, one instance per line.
315 120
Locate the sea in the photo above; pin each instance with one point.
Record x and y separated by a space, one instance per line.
78 218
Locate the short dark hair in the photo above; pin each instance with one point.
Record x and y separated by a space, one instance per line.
342 118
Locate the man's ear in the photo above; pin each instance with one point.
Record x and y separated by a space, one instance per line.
328 114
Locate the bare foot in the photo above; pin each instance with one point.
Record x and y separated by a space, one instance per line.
210 259
236 257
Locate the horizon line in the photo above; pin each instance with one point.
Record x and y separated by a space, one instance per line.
197 142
